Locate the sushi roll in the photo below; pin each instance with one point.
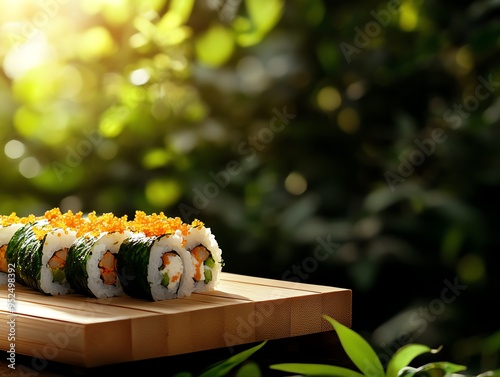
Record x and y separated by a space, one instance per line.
153 257
91 266
205 255
54 252
190 246
151 267
151 263
8 226
40 248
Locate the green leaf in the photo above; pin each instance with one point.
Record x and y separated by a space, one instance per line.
358 349
215 46
144 26
223 367
492 343
490 373
316 370
177 15
404 356
264 14
250 369
407 372
438 369
183 8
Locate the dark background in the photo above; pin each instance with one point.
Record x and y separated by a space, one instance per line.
389 154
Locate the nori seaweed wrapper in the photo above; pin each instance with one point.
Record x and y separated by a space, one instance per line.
132 264
25 250
76 264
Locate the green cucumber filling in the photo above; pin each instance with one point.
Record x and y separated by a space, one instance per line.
56 265
171 271
210 263
165 281
208 276
203 264
58 275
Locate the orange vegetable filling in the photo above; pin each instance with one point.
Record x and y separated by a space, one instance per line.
166 261
107 266
200 254
58 260
3 260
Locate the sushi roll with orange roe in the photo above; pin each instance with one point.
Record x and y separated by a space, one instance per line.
151 263
9 224
40 248
167 258
91 262
206 256
152 256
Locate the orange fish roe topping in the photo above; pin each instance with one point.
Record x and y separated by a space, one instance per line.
197 224
68 220
54 219
52 214
157 224
7 220
105 223
93 225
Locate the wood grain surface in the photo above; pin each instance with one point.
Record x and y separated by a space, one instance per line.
87 332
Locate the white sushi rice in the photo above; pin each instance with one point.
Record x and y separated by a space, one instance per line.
203 236
111 242
174 268
6 233
161 246
54 241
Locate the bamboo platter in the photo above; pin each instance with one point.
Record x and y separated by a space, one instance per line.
87 332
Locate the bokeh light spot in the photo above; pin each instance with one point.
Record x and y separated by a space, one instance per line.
107 150
96 43
71 203
137 40
356 90
464 58
14 149
30 167
162 192
348 120
408 18
70 82
156 158
295 183
253 76
26 121
328 98
139 77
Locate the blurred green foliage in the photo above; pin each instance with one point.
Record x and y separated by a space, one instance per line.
365 130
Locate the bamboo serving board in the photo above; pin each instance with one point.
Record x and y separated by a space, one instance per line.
88 332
